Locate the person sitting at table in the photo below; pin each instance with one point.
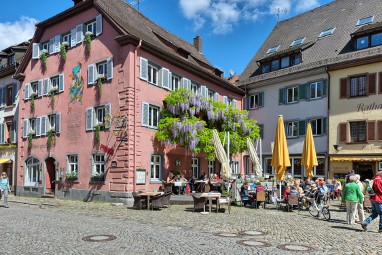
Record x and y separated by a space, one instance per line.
217 178
183 180
192 182
170 178
259 187
246 198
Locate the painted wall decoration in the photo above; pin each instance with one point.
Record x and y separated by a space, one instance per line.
76 90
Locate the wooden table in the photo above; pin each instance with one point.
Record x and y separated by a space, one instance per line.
180 184
148 195
210 196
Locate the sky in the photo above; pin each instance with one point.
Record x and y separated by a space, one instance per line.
232 30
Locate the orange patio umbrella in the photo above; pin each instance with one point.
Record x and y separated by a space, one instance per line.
309 156
280 154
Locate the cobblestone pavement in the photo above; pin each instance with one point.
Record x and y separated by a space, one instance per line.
51 226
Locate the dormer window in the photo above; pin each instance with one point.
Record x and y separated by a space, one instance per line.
327 32
297 41
273 49
364 21
367 41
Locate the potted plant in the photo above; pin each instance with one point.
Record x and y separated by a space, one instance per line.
97 132
71 176
100 81
30 140
52 92
88 40
51 141
97 177
43 56
32 97
63 50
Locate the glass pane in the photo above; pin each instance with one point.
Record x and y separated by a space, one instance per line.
362 42
285 62
297 167
376 39
275 65
266 68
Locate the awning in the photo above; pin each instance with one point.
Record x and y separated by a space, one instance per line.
5 160
364 159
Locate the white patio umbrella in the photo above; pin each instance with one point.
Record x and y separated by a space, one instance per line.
226 170
255 160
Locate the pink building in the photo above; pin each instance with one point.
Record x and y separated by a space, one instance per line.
88 120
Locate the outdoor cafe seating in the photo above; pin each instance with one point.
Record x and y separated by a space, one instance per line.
151 199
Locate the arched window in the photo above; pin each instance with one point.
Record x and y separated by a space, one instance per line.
32 172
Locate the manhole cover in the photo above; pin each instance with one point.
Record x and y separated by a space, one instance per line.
253 243
99 238
294 247
227 234
252 233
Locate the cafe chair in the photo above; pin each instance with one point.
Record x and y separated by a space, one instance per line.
260 197
166 199
139 202
199 202
157 202
224 201
292 201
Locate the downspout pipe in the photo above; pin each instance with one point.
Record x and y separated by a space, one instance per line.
327 114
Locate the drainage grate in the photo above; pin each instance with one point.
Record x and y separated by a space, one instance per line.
254 243
225 234
252 233
294 247
99 238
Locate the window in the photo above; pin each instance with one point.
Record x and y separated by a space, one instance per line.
51 123
317 126
297 41
358 131
195 167
376 39
285 62
256 100
292 94
268 166
266 68
101 113
55 83
320 168
362 42
234 166
31 177
150 115
297 169
156 164
291 129
370 40
102 69
34 87
152 74
358 86
45 46
98 164
211 167
91 27
273 49
175 81
194 88
315 90
67 38
295 60
32 126
364 21
275 65
73 164
211 94
11 60
327 32
96 116
9 95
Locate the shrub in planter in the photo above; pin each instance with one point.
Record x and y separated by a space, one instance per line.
100 177
88 40
63 50
43 56
71 176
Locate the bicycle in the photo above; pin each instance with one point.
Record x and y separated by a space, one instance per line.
316 210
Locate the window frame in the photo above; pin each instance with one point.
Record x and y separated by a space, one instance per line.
153 74
32 170
316 125
327 32
101 165
358 131
358 90
294 97
298 41
273 49
294 132
175 82
318 89
153 165
363 21
91 24
195 166
75 164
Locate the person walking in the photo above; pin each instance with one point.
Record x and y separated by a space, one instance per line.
4 188
360 215
352 195
376 203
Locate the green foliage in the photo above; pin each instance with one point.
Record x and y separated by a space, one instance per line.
7 146
342 181
32 97
97 177
71 176
188 120
88 40
52 93
100 81
43 56
30 140
51 141
97 134
63 50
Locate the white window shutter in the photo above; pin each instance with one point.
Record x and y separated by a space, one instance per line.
46 86
13 132
61 82
27 91
216 97
165 78
144 69
58 123
204 91
89 118
44 120
225 100
39 88
26 128
109 67
73 39
79 33
234 103
36 51
15 90
2 97
51 46
38 126
98 25
170 80
91 74
145 114
186 83
57 43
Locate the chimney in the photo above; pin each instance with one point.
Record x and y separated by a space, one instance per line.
198 43
77 1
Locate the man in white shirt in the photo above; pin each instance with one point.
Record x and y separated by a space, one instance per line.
360 216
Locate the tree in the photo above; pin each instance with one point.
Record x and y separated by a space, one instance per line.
188 120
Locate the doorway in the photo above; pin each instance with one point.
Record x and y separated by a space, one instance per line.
50 175
364 169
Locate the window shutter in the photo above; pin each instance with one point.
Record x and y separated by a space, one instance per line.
26 128
38 126
372 80
14 92
79 33
57 43
379 128
145 114
2 134
301 127
13 132
324 125
39 88
51 46
261 99
380 82
234 103
343 135
186 83
302 91
343 88
73 37
46 86
108 111
203 91
91 74
89 118
44 122
36 51
225 100
216 97
2 97
109 67
371 130
170 80
165 82
282 96
58 123
324 87
248 101
144 69
61 83
27 89
98 25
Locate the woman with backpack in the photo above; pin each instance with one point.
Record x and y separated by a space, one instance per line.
376 202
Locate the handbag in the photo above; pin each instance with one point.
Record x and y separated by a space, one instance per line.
371 191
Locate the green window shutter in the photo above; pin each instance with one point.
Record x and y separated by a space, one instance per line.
248 101
324 125
324 88
302 91
261 99
301 127
282 96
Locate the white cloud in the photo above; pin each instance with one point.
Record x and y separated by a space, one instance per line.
16 32
223 15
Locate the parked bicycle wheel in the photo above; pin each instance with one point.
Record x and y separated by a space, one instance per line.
313 211
326 213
